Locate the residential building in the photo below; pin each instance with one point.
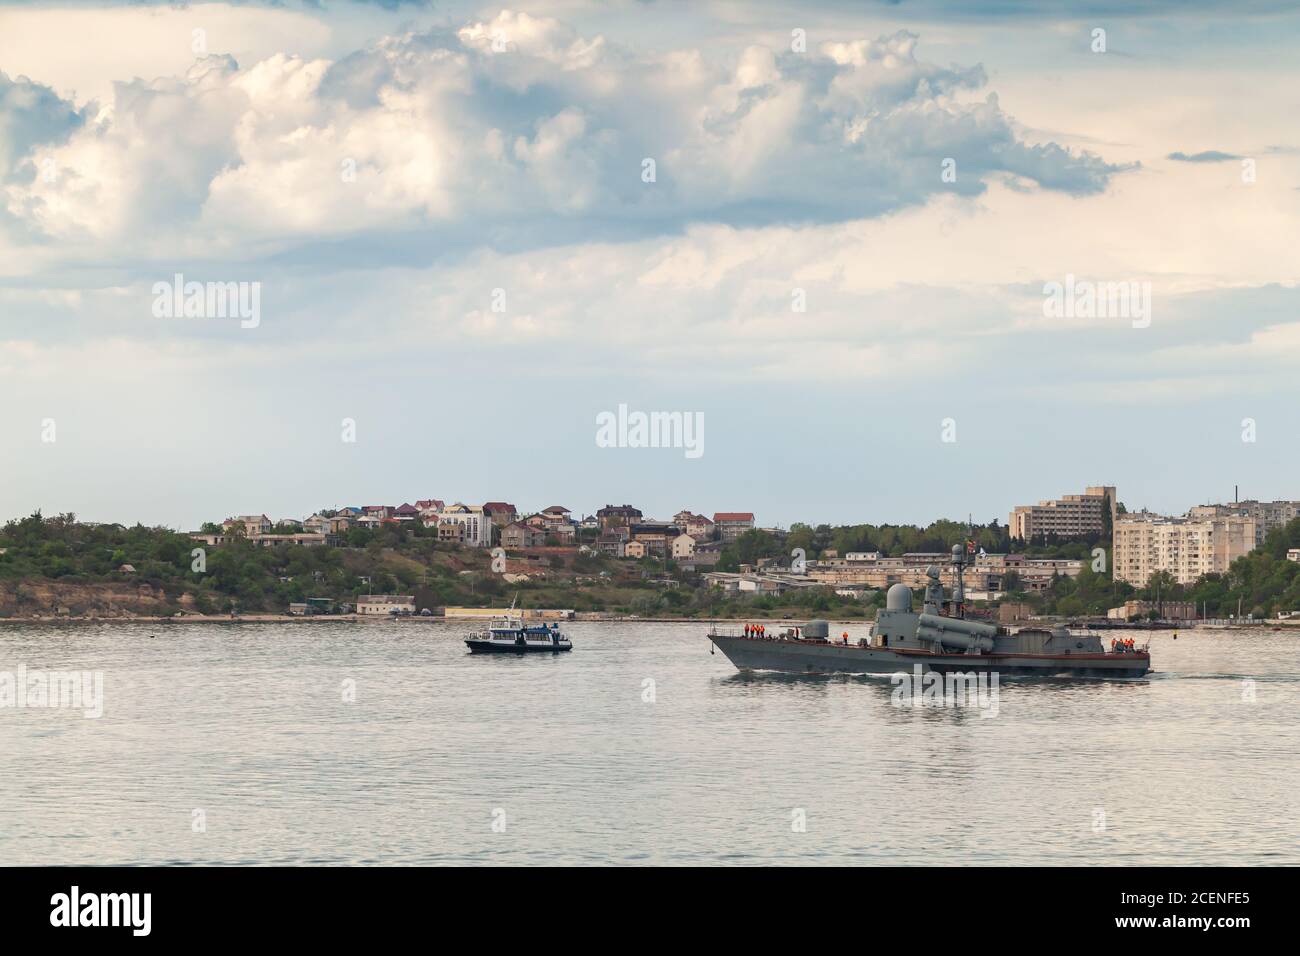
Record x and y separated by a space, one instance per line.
377 511
611 544
987 574
732 524
554 521
656 537
406 512
1266 514
248 524
1068 516
1293 554
701 557
517 536
476 526
634 549
1187 548
683 546
700 527
502 513
385 604
614 516
316 524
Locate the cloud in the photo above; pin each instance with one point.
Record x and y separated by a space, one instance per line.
510 128
1208 156
31 115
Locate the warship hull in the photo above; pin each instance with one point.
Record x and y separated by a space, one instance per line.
820 657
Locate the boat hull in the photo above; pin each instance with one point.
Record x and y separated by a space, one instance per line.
815 657
499 647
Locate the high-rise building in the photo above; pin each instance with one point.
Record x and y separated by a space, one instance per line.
1069 516
1187 548
1267 514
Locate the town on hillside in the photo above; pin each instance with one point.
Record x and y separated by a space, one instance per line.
1013 570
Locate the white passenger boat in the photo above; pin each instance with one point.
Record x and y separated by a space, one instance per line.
513 636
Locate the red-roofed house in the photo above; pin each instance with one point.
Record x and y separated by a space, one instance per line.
732 524
502 512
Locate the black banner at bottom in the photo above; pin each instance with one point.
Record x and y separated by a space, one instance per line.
334 905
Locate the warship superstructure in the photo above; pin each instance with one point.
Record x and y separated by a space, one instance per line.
938 638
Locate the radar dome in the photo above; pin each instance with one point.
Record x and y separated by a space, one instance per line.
898 598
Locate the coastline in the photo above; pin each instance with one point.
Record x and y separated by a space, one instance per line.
580 618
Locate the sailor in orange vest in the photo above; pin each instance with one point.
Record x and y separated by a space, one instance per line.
846 637
762 630
1112 645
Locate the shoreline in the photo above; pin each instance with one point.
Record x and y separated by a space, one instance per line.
588 618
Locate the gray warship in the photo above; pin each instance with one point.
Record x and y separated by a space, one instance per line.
939 638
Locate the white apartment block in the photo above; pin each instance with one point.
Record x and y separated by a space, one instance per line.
1071 515
475 521
1187 548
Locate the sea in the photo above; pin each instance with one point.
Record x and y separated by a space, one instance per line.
387 743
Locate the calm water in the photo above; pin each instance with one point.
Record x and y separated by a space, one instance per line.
248 724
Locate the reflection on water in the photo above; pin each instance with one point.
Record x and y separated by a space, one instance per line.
387 743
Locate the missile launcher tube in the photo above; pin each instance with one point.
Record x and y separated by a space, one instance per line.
954 632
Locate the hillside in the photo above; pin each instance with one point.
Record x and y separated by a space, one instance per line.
59 566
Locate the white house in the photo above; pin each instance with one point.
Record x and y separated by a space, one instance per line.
683 546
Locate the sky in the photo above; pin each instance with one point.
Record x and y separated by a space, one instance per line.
829 233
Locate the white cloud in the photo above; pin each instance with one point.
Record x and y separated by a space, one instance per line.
442 128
